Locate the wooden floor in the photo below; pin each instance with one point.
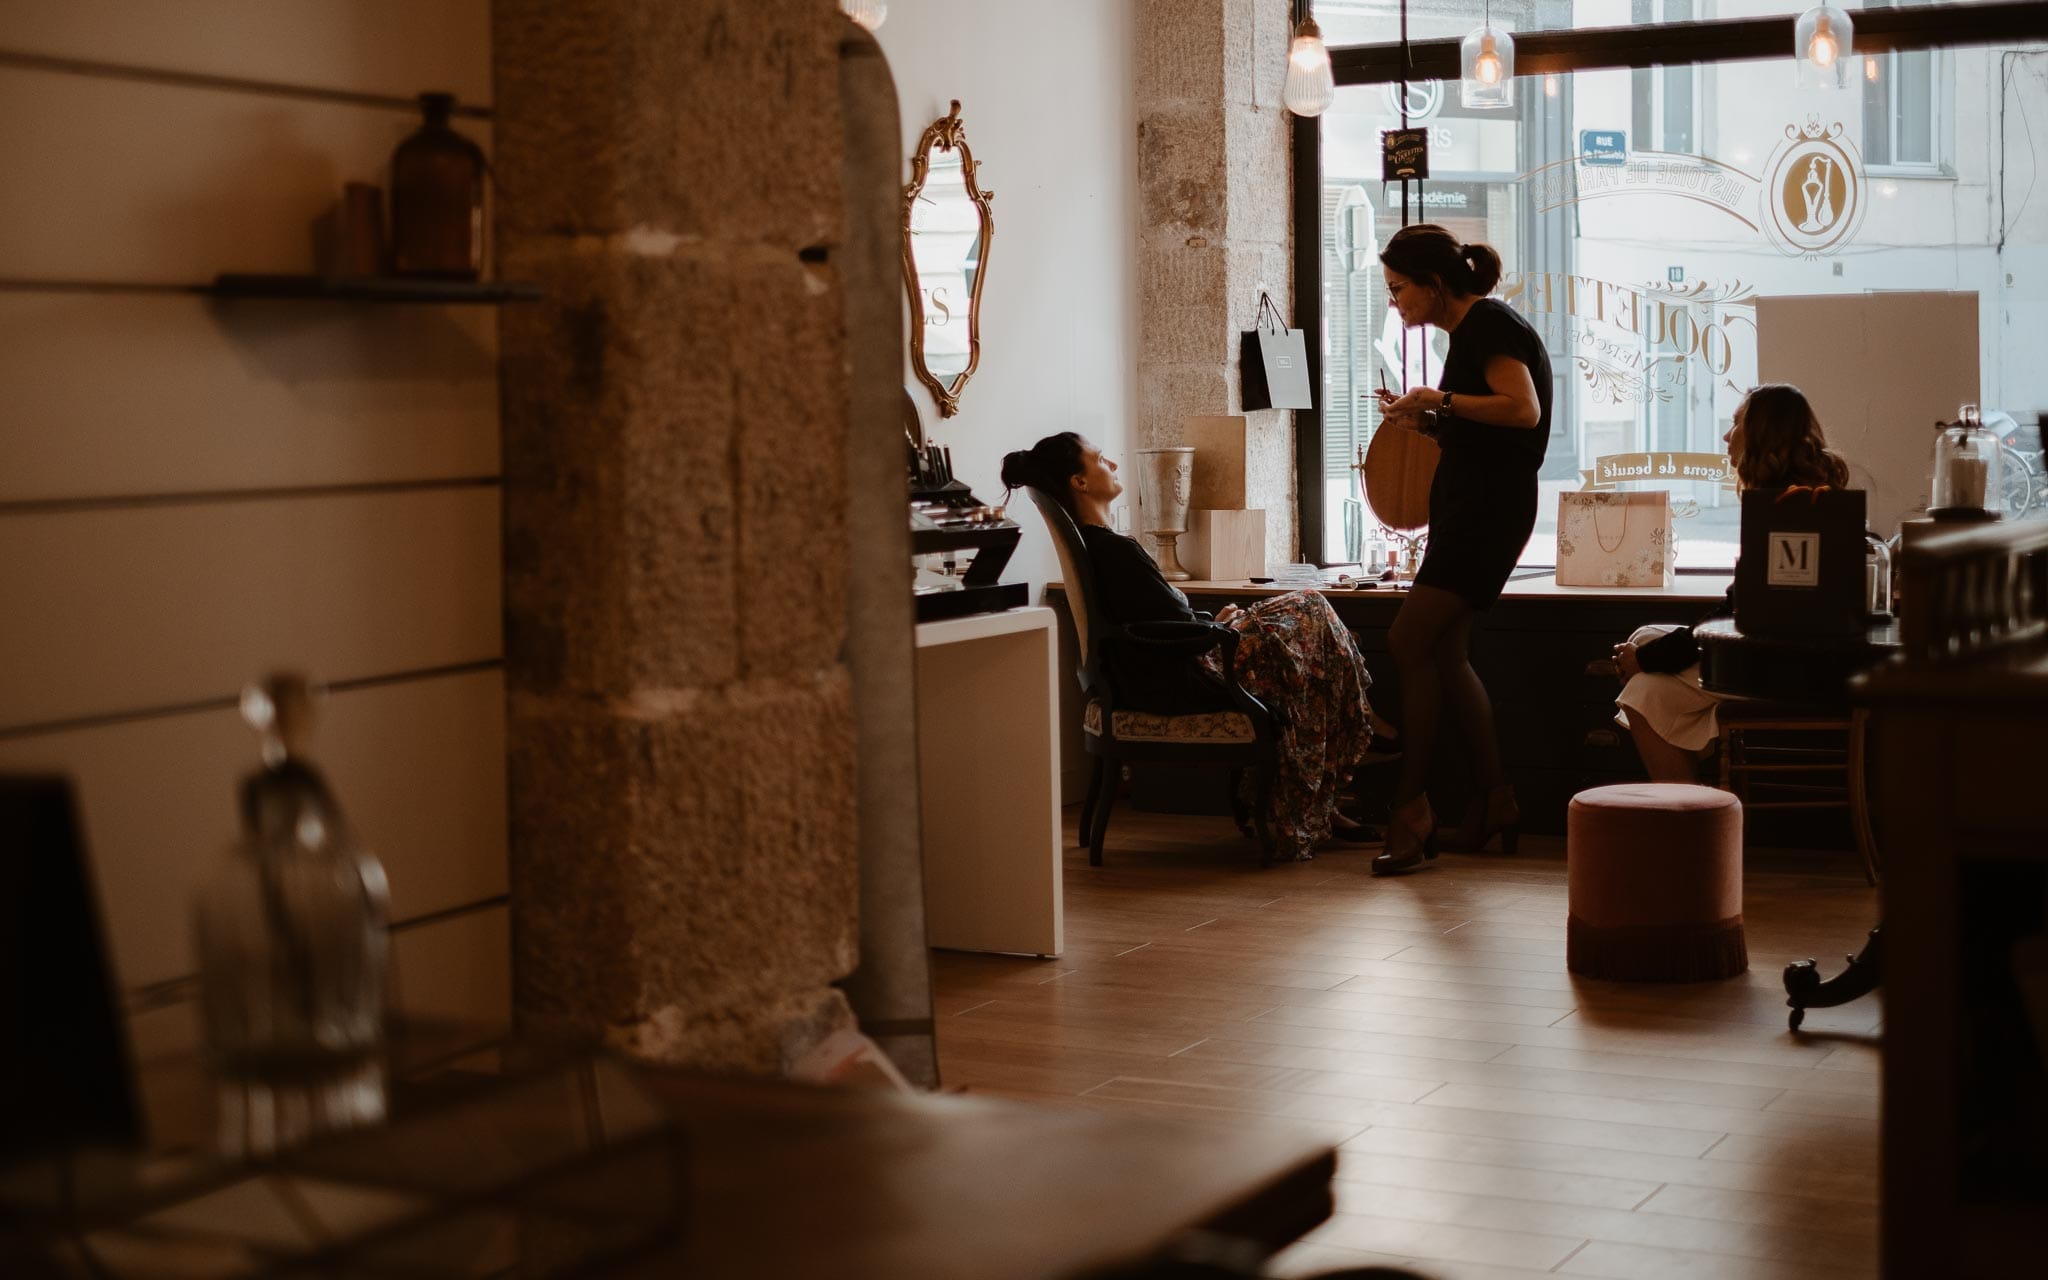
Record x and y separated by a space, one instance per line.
1497 1117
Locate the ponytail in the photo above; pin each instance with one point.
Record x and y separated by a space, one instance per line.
1482 269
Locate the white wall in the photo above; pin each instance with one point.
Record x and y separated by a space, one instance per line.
1045 93
192 492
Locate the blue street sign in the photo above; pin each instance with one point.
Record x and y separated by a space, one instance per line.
1676 275
1603 146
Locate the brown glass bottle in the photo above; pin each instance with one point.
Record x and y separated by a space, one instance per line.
437 198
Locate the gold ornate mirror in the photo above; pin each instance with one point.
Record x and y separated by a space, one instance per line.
946 231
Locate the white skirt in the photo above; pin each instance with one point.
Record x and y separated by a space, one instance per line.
1672 704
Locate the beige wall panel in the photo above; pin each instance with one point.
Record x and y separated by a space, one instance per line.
370 46
1880 369
459 968
117 180
241 396
419 767
117 609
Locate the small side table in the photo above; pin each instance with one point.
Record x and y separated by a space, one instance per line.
1810 671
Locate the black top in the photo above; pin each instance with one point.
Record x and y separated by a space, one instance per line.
1491 328
1128 583
1129 588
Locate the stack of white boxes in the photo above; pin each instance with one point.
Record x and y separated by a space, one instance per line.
1225 541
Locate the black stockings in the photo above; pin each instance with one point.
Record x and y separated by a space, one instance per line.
1431 639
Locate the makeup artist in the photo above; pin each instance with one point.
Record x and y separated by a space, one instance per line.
1490 413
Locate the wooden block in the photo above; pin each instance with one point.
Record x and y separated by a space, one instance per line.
1224 546
1219 444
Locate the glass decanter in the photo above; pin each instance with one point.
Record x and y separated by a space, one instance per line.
291 935
1966 469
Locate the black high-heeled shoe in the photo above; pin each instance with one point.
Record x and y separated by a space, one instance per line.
1411 838
1499 816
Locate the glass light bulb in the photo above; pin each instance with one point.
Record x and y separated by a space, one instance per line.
1487 59
1311 87
1550 86
1870 69
1822 42
868 13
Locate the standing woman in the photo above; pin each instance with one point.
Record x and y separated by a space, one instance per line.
1491 415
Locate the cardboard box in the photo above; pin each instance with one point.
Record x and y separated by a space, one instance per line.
1219 444
1224 546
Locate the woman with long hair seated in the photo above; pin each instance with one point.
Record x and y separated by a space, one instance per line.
1775 444
1293 654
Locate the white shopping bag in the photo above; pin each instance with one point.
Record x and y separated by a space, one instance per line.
1614 540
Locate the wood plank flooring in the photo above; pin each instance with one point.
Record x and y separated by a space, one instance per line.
1497 1118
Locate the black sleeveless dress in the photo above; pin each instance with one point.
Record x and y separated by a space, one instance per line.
1482 504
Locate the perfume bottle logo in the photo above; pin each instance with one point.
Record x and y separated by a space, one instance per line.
1814 191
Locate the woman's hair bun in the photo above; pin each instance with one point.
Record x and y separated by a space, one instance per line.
1017 469
1484 261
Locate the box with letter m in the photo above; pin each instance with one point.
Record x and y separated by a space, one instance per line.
1801 571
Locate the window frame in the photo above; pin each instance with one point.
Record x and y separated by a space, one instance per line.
1940 90
1658 79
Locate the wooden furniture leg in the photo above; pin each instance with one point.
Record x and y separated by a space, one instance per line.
1859 804
1096 773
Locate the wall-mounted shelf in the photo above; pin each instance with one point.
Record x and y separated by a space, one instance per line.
372 289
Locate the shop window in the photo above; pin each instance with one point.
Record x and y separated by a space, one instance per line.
1640 259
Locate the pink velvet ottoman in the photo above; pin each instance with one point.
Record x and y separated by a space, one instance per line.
1655 870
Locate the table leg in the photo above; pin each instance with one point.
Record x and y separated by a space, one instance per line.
1859 799
1804 989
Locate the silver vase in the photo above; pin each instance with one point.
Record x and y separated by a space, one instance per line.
1165 478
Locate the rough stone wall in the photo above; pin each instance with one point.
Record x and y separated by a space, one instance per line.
1214 175
684 849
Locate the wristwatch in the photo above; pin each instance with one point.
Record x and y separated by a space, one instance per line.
1447 402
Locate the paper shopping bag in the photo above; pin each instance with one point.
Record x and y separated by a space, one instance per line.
1614 539
1801 571
1273 362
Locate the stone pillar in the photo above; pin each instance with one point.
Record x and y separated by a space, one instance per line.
683 839
1214 172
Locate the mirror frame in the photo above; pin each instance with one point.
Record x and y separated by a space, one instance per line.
947 133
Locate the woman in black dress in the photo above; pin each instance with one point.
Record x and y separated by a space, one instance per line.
1490 412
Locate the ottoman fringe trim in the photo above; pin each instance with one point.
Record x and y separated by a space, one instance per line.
1656 953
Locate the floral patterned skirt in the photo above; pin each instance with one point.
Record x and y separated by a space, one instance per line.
1297 657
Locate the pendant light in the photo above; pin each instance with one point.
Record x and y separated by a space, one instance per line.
1822 42
1487 64
1310 85
868 13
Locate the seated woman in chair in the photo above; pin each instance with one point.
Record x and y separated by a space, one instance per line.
1776 443
1293 653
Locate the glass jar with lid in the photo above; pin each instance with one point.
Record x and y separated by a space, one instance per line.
1966 469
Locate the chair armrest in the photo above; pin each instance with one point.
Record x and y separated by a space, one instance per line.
1174 639
1192 640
